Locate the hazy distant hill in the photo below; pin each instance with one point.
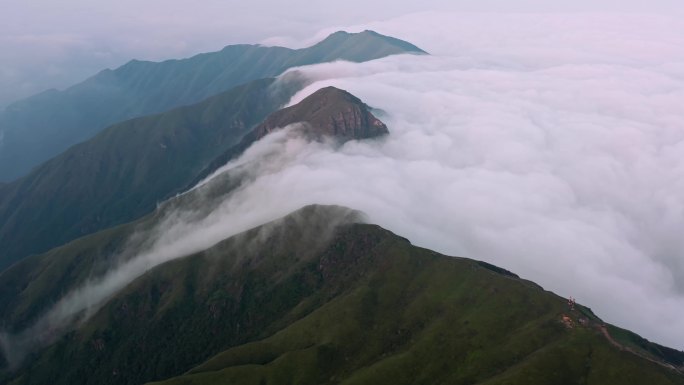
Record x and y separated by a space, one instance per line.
40 127
328 112
317 298
123 172
314 298
30 284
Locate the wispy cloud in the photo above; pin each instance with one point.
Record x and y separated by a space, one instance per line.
115 32
550 145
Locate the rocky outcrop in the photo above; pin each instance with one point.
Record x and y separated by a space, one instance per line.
327 112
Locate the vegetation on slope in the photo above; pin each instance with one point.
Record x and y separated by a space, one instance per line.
29 285
303 301
123 172
328 112
42 126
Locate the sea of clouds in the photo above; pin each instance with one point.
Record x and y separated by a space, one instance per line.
550 145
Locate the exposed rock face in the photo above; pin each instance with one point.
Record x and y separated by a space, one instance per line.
327 112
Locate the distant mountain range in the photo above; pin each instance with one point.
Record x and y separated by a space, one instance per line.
37 128
126 169
27 286
319 296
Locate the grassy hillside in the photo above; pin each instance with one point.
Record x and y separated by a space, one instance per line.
42 126
123 172
315 298
29 285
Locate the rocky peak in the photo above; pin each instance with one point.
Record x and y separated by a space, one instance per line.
327 112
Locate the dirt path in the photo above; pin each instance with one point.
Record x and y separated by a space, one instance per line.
606 333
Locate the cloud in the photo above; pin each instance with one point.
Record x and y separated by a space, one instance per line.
176 235
555 153
550 145
552 151
116 32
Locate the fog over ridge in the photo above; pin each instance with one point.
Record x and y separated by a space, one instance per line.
566 169
52 45
555 153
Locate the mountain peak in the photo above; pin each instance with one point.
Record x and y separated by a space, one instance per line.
362 44
328 112
42 127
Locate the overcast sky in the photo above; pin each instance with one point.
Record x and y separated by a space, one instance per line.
53 44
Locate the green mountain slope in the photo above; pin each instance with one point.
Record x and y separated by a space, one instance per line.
316 298
27 287
327 112
123 172
42 126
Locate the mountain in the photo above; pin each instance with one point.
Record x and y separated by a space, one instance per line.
42 126
330 112
318 297
327 112
122 173
29 285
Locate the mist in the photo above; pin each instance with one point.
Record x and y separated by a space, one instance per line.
549 145
45 44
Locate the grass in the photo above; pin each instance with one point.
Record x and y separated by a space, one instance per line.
361 307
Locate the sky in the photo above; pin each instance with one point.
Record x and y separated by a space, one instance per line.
549 143
48 44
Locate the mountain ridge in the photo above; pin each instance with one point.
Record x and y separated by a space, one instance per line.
328 112
40 127
91 255
320 297
317 296
112 179
123 172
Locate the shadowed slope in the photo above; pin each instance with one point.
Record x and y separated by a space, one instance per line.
29 286
42 126
316 299
123 172
328 112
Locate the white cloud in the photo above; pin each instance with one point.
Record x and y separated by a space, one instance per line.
115 32
554 154
550 145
